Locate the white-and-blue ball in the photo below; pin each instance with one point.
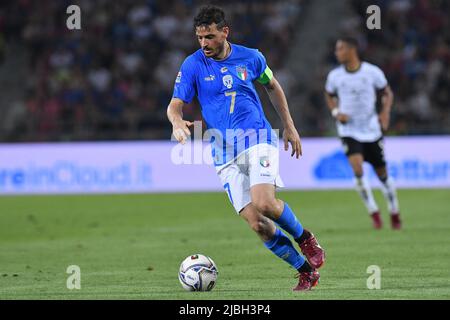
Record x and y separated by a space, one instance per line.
198 273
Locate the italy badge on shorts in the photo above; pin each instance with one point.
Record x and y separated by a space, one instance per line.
264 162
242 72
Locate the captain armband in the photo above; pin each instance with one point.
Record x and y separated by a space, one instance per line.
266 76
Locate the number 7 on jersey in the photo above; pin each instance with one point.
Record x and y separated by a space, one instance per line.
233 99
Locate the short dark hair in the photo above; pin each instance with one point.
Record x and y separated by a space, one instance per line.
208 15
351 41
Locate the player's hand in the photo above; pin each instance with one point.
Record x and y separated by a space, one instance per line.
342 118
181 130
384 118
291 135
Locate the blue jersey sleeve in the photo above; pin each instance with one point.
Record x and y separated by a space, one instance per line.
184 87
259 64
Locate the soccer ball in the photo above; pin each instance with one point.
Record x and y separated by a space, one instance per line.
198 273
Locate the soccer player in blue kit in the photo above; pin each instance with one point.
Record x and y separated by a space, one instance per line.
221 74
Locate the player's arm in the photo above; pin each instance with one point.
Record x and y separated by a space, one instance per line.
183 92
175 115
279 101
333 104
387 99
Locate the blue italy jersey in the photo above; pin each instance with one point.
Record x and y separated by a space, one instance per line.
229 103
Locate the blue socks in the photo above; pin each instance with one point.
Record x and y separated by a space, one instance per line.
288 221
282 246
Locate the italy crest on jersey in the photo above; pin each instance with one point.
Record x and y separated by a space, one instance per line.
242 72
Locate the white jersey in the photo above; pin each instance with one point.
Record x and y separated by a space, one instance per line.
356 92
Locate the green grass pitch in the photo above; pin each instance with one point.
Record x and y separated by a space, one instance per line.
131 246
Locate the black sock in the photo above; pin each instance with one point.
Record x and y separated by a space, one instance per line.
306 267
305 235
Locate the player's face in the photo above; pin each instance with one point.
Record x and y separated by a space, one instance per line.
343 52
211 40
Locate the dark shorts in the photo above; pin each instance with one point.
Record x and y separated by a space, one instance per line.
372 152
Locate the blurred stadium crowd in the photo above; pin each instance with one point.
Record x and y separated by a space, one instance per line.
113 79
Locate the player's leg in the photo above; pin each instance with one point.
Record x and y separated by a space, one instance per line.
390 194
264 178
237 185
264 199
262 226
375 155
354 152
276 241
362 184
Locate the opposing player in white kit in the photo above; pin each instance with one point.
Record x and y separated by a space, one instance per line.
351 93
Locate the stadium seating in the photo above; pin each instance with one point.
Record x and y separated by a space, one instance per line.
113 79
